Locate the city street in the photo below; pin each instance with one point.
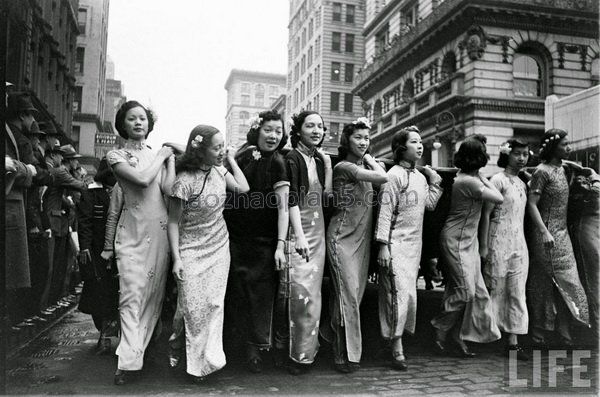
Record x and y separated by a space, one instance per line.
62 361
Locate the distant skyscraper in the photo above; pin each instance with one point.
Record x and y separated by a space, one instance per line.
325 50
249 93
90 72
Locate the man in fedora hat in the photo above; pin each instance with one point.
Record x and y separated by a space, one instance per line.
55 211
18 148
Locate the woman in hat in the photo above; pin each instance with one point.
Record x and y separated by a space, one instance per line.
141 246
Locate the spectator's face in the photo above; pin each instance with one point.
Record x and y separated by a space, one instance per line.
27 120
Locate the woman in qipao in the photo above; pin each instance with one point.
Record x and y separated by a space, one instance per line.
309 170
200 244
349 240
403 201
141 247
502 244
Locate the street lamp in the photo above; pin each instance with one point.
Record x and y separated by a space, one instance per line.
443 118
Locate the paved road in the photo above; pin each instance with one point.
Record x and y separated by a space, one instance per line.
61 361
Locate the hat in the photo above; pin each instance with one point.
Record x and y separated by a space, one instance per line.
35 129
48 128
69 152
20 102
56 148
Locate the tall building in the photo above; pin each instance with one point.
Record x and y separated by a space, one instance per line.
460 67
41 56
90 71
325 50
248 93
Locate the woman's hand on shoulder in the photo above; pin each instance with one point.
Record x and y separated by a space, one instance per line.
165 152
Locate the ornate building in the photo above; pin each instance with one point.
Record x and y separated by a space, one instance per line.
41 53
325 49
459 67
249 93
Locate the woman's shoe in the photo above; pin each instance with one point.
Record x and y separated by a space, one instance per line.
341 368
440 346
120 377
104 346
521 355
198 380
255 365
174 356
399 362
463 350
353 367
297 369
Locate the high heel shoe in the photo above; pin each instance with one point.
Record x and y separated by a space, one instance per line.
341 368
120 377
463 350
399 361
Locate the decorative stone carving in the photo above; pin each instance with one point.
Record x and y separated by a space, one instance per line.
474 42
572 49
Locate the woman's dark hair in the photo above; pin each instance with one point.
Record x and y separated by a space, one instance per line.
550 141
105 174
297 121
514 144
472 154
399 141
267 115
347 132
122 113
194 151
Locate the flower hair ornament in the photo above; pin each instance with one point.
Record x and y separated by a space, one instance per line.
197 141
363 120
548 140
505 148
255 123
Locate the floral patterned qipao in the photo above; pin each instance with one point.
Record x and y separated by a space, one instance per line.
142 254
204 251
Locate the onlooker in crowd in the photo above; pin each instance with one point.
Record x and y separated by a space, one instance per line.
403 201
199 244
468 313
503 247
141 246
100 294
349 240
554 289
257 222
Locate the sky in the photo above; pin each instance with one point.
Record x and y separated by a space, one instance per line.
176 55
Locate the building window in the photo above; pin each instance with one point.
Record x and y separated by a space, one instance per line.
334 106
348 103
244 115
310 56
381 40
309 83
302 91
77 95
295 97
527 76
296 72
246 88
259 95
408 91
318 47
377 110
349 42
303 37
310 29
82 20
386 103
448 65
303 65
337 12
349 74
409 17
75 136
245 99
335 71
318 76
317 103
336 42
79 59
350 12
334 132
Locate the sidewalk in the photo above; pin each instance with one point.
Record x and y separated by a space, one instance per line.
61 361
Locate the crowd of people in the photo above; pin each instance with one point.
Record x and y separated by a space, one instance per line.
248 233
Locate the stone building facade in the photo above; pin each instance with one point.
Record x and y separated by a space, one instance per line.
459 67
325 50
249 93
40 56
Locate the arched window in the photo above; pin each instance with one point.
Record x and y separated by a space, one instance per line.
377 110
448 65
527 75
244 115
408 91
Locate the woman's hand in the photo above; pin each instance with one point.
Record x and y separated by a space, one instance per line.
301 247
165 152
548 240
107 255
178 269
325 157
280 259
385 257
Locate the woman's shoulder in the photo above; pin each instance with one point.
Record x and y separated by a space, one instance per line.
116 156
